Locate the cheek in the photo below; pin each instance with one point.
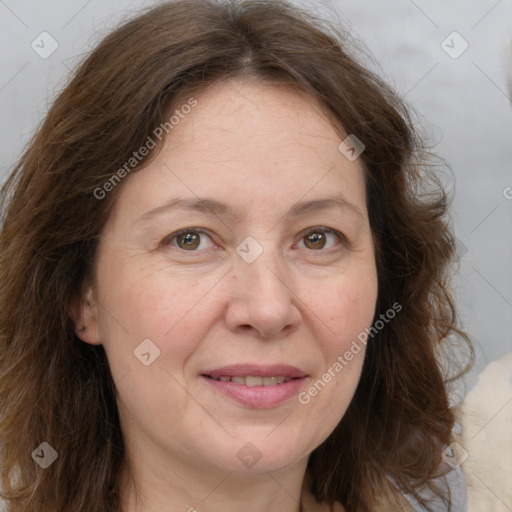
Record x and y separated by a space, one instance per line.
348 306
173 314
328 395
146 303
344 309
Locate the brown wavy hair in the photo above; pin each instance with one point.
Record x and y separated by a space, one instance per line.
58 389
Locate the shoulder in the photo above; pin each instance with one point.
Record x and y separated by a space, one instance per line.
453 484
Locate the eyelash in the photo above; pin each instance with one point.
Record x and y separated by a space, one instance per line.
316 229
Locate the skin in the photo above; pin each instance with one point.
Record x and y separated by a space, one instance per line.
260 148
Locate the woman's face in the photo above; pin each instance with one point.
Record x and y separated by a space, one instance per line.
241 256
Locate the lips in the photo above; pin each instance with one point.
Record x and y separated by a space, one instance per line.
256 386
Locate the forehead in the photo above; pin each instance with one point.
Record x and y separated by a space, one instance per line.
252 113
245 142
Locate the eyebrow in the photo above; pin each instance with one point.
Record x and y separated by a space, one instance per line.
220 209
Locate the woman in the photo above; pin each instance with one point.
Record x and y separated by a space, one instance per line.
224 277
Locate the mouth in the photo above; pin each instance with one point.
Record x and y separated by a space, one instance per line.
252 380
256 375
256 386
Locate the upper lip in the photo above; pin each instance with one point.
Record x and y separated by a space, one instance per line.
244 370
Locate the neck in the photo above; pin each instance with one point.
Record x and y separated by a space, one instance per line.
192 489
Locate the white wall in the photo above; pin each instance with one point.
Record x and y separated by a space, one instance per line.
463 100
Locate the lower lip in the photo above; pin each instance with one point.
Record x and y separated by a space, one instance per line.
257 397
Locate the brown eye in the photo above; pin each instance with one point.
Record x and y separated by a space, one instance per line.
315 240
321 239
188 241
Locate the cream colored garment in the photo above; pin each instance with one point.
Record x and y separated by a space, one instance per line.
487 439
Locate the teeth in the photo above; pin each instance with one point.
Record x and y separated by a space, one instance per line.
252 381
272 381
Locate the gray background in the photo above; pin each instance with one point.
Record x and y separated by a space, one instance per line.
463 103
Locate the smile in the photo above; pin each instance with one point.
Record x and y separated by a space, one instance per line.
253 381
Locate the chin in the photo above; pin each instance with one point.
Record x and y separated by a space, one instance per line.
256 454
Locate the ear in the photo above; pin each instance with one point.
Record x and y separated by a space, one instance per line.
85 318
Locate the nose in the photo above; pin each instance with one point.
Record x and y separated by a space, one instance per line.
262 301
